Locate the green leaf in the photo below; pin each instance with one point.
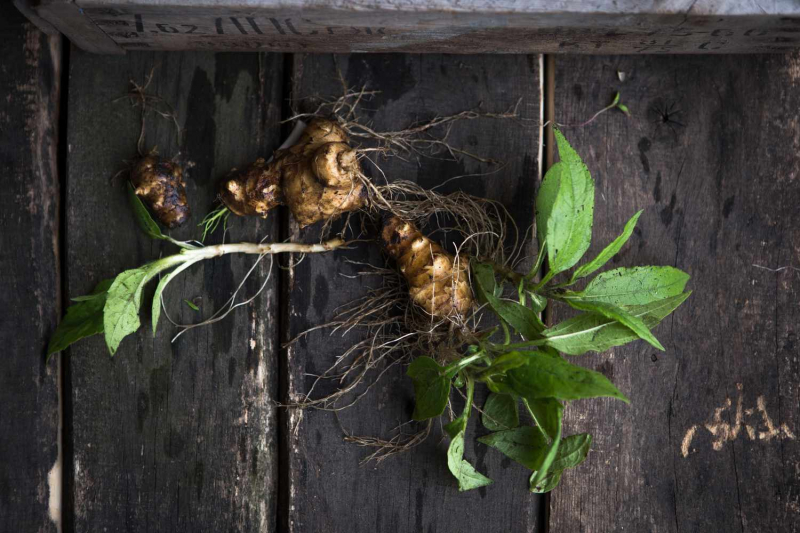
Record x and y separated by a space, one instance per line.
619 314
549 458
624 109
83 319
162 284
142 215
501 365
609 251
431 388
525 321
569 223
571 452
468 478
500 412
548 483
525 445
121 310
191 305
592 332
546 412
633 286
545 199
616 100
549 377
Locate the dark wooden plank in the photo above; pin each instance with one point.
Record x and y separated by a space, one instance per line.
720 193
327 490
29 263
177 436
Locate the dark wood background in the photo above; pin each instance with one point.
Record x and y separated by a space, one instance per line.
187 436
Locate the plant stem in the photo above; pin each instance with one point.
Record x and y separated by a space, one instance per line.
458 365
260 249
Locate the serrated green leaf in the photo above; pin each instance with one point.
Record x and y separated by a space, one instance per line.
525 445
622 316
569 224
609 251
431 388
547 413
549 377
121 310
525 321
500 412
83 319
142 215
592 332
633 286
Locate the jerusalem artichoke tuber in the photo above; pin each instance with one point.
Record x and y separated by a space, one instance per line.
159 183
317 178
438 281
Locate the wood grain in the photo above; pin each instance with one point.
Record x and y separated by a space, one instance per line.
172 436
29 263
719 186
327 489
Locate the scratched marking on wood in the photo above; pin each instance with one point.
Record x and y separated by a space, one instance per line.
172 436
328 490
30 86
724 431
708 441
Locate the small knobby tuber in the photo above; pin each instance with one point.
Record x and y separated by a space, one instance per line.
317 178
159 183
438 281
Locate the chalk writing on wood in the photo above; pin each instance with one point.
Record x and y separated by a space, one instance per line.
722 430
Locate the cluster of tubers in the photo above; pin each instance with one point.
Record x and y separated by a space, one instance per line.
318 178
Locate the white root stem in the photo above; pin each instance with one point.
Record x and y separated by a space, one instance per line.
261 249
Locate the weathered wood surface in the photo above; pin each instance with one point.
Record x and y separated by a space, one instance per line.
450 26
709 442
172 436
29 263
325 488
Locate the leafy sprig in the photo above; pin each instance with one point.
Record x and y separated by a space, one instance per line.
618 306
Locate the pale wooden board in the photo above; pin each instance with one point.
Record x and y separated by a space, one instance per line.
720 195
326 489
30 302
684 26
179 436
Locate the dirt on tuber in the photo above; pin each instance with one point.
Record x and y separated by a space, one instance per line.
159 183
438 281
318 178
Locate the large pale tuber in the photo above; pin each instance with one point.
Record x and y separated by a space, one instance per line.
317 178
438 281
159 183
